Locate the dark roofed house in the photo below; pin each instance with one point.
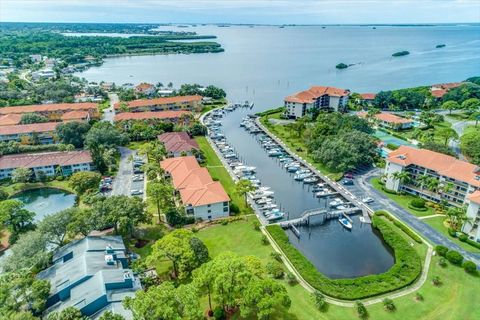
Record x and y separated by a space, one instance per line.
90 274
178 143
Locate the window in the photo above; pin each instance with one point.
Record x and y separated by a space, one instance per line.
209 211
209 205
190 211
225 203
225 209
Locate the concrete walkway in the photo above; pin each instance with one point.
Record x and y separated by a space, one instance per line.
431 216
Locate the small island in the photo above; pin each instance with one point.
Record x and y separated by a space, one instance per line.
400 53
440 46
341 66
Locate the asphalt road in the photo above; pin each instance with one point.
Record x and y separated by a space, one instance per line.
362 188
109 113
122 183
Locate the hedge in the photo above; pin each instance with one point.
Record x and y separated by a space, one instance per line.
441 250
416 208
406 270
454 257
400 225
418 203
473 243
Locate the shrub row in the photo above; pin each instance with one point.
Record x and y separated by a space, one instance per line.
271 111
400 225
417 209
418 203
390 191
456 258
405 271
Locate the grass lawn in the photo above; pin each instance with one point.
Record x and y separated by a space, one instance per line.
402 200
455 299
471 129
437 224
296 144
218 172
13 188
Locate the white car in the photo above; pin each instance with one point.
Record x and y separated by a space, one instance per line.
367 200
136 192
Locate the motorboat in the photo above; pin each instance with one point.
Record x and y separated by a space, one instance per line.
336 202
274 153
261 194
293 168
264 200
304 171
301 177
346 223
268 206
230 155
310 180
276 216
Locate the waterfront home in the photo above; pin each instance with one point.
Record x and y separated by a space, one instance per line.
368 98
178 143
202 197
43 74
439 90
316 98
449 179
152 116
49 163
10 119
190 103
389 120
145 88
35 133
90 274
54 111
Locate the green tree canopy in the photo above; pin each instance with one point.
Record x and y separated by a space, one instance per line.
15 217
450 105
264 297
83 181
21 175
72 132
30 251
55 226
29 118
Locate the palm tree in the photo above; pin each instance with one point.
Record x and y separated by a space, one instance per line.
243 187
422 181
457 217
402 176
447 134
447 187
432 184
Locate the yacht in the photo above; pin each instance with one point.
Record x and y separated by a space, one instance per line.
301 177
345 223
310 180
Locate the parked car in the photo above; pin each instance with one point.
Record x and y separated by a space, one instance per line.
136 192
367 200
348 175
137 170
347 182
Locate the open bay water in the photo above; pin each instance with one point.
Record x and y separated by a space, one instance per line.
265 64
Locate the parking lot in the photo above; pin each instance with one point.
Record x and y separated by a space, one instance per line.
128 181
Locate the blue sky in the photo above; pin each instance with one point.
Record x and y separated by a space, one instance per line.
243 11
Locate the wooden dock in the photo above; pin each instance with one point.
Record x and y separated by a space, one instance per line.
324 215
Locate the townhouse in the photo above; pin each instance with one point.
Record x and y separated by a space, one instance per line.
152 115
316 98
471 227
145 88
449 179
439 90
178 143
35 133
48 163
92 275
53 111
368 98
190 103
202 197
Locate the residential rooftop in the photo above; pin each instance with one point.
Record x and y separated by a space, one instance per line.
368 96
475 197
10 119
386 117
176 142
315 92
29 128
33 160
160 101
49 108
161 115
443 164
75 115
194 183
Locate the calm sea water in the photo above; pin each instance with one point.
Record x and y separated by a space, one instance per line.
264 64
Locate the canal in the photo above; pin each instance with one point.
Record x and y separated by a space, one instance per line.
334 251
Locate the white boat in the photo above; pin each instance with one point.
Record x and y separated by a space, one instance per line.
346 223
230 155
310 180
301 177
262 194
263 200
293 168
274 153
304 171
268 206
276 216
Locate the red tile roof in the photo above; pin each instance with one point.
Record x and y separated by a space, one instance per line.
194 182
178 142
49 107
29 128
475 197
10 119
144 86
439 93
75 115
316 92
368 96
444 165
150 115
447 86
160 101
32 160
391 118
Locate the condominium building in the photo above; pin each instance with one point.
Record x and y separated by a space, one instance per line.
151 115
178 143
316 98
54 111
49 163
471 227
37 133
191 103
92 275
202 197
450 179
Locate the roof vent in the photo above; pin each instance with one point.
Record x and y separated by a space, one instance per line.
402 157
109 259
127 275
108 249
477 178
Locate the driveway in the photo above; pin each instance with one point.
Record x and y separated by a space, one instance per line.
109 113
459 127
362 188
123 184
